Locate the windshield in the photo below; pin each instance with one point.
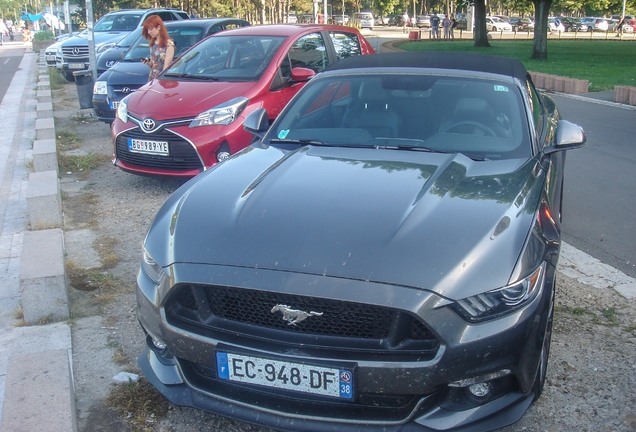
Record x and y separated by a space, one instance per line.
184 37
117 22
483 118
227 58
129 39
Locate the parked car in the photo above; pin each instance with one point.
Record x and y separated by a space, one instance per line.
514 22
292 18
113 55
461 24
72 55
555 25
497 24
600 24
130 73
341 19
363 20
382 258
50 51
397 20
423 21
191 116
527 25
573 24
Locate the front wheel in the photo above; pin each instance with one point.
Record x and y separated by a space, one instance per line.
539 381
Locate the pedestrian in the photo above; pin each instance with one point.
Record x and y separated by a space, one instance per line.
193 13
446 25
405 22
619 27
3 31
435 26
453 22
161 46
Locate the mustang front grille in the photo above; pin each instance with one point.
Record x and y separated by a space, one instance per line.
336 325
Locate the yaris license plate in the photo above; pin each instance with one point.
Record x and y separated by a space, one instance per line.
161 148
285 375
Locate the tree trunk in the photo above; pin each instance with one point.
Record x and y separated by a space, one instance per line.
540 39
481 33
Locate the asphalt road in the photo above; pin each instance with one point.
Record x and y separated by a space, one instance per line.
10 59
599 211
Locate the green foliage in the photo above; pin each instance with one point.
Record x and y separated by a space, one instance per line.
604 63
44 35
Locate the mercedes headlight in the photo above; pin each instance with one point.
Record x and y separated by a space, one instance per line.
223 114
104 47
122 110
100 88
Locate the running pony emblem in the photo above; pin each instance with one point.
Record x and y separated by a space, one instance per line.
293 316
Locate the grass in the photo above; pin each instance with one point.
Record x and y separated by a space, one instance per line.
604 64
139 402
56 79
81 163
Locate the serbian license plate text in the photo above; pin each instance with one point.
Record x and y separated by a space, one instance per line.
150 147
285 375
76 65
114 105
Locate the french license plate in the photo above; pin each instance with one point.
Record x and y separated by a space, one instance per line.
76 65
114 105
285 375
149 147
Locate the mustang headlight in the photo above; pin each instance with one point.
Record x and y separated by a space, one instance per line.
122 110
501 301
151 268
100 88
223 114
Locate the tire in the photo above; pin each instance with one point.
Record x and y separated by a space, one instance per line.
539 381
69 76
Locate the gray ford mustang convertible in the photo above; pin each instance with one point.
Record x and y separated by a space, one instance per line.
381 258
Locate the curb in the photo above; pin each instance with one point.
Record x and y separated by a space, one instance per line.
37 390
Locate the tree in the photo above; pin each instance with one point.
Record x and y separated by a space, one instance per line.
481 34
540 39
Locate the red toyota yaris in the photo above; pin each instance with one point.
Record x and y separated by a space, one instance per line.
191 116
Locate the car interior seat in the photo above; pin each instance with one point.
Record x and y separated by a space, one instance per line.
373 111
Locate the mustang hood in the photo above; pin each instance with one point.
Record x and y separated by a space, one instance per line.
162 98
440 222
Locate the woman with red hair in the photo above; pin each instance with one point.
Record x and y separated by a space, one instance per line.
161 46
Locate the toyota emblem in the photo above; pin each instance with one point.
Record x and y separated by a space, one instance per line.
148 124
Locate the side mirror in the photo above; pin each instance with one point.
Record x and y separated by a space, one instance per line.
299 74
568 136
257 122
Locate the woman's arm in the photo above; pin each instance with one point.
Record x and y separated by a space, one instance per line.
169 55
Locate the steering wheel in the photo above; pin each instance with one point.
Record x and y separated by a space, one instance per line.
476 125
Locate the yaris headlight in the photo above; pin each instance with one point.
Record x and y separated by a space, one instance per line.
122 110
100 88
223 114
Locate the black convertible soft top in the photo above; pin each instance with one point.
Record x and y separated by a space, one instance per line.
438 60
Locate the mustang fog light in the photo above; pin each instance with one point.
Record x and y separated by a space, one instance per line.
480 390
158 343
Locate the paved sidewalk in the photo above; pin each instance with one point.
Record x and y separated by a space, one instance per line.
35 373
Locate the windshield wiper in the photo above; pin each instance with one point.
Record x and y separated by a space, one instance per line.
300 141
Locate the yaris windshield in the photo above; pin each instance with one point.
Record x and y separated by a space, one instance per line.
484 119
227 58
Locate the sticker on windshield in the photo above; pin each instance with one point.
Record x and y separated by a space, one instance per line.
283 134
501 88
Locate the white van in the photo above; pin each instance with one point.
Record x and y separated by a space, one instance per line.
363 20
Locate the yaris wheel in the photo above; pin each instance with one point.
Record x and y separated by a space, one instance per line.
539 381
